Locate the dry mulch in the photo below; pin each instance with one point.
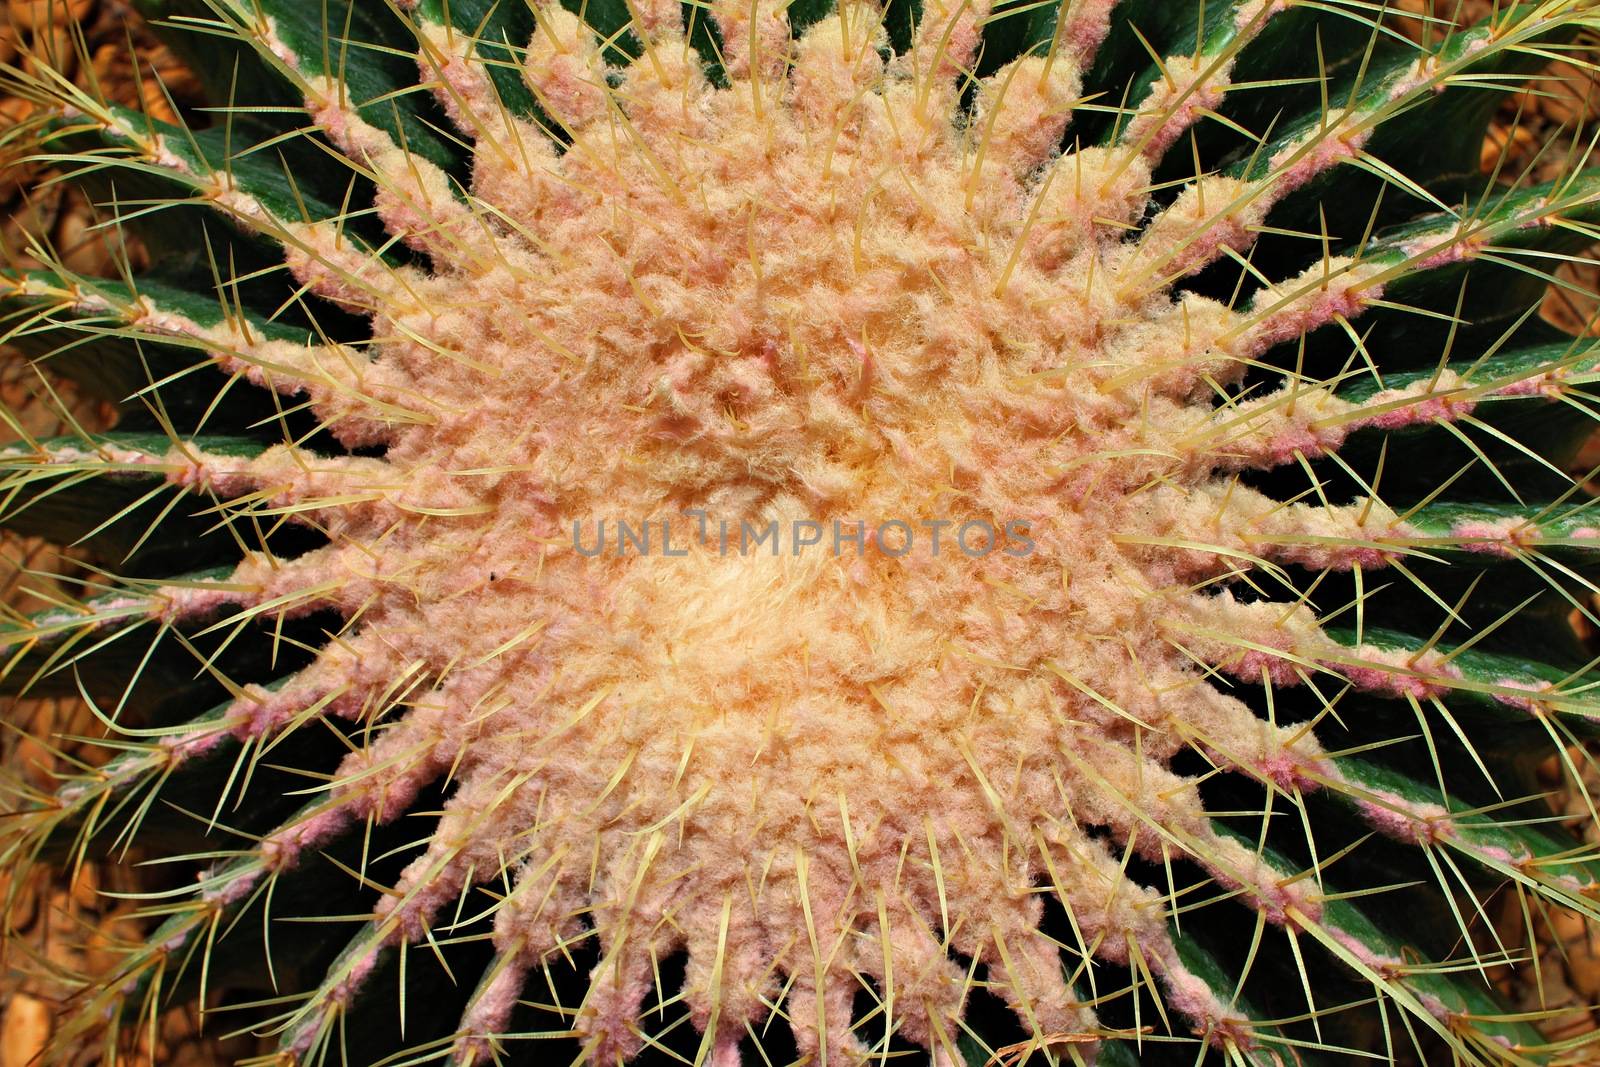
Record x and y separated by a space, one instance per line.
55 927
93 42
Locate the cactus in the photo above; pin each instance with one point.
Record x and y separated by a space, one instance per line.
745 532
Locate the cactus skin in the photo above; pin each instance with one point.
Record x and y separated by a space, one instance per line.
1228 765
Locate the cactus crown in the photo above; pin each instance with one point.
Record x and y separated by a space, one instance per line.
1081 535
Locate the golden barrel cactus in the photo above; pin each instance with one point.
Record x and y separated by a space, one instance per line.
744 532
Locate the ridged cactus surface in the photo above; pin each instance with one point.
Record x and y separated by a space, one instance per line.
742 532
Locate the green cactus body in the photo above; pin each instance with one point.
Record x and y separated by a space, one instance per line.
743 532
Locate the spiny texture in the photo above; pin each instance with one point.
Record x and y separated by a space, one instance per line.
879 522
